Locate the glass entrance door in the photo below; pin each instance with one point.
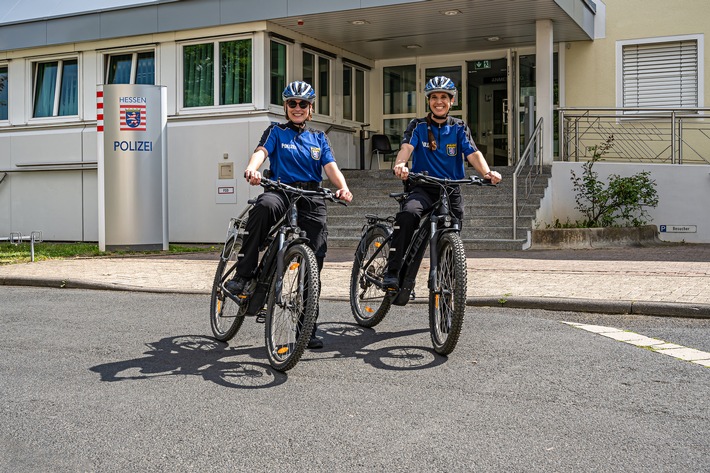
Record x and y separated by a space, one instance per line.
488 108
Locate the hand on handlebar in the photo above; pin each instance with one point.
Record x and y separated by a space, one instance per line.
401 171
344 194
252 177
492 176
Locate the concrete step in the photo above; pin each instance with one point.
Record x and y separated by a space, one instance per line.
469 243
487 225
468 232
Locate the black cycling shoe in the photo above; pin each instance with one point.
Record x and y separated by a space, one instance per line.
236 286
315 343
390 282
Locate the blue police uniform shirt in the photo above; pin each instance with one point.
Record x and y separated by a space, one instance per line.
295 154
454 143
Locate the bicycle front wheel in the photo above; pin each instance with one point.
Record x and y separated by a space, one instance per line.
291 314
226 316
447 299
368 302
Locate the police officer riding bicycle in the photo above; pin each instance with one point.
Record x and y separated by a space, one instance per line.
436 144
297 156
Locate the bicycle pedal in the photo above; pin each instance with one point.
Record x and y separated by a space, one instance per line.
261 317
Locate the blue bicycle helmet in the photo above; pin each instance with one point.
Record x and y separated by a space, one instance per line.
440 84
299 90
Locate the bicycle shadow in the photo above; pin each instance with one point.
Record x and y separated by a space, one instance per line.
196 355
349 340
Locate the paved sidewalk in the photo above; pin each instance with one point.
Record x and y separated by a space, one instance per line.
658 280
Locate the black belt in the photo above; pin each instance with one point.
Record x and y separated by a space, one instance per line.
309 186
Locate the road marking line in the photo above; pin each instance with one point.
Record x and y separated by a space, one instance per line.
659 346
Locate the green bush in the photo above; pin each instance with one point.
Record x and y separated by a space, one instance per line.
622 202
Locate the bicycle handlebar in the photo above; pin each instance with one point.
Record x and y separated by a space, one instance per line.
470 180
321 191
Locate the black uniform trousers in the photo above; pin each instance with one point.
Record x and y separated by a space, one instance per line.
268 209
420 200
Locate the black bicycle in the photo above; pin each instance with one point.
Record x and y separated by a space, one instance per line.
284 292
439 229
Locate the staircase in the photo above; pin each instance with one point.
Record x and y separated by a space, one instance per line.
488 216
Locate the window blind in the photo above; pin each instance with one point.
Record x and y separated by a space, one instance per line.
661 74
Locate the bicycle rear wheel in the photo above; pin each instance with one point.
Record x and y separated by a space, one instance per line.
226 316
290 319
447 300
368 302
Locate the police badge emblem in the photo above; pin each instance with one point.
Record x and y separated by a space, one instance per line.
451 149
315 153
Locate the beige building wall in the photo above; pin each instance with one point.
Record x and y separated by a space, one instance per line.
590 67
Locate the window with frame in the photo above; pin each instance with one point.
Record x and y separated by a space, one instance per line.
3 92
277 74
217 73
56 88
399 100
131 68
660 74
353 93
316 71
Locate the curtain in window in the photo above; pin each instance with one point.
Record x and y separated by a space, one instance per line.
347 92
309 68
235 73
3 93
359 95
45 84
323 86
278 72
69 89
119 69
198 75
145 70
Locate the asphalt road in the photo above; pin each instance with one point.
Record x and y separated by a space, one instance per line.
116 381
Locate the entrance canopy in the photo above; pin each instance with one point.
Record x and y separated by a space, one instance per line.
375 29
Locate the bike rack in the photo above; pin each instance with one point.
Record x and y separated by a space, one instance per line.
16 238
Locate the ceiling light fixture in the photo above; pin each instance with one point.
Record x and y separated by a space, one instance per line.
451 12
412 46
359 22
493 38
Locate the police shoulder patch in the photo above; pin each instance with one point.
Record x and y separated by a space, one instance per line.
451 149
315 153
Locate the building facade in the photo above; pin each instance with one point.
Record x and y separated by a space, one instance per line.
225 62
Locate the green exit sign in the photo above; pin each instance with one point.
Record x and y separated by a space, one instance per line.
482 65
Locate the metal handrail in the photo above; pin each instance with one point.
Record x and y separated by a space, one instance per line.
47 167
642 129
534 145
58 163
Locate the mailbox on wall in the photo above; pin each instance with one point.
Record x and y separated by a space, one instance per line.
132 167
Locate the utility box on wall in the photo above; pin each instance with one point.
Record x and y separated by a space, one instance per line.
132 167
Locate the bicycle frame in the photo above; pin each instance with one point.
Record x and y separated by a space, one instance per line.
283 235
437 221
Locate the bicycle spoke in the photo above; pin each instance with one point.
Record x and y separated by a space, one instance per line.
367 299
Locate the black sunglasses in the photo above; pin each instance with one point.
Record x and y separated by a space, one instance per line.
302 104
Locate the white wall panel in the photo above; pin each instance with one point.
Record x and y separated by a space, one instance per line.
683 196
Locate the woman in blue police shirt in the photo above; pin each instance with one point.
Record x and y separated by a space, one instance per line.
436 144
297 156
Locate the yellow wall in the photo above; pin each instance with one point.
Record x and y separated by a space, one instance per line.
590 70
